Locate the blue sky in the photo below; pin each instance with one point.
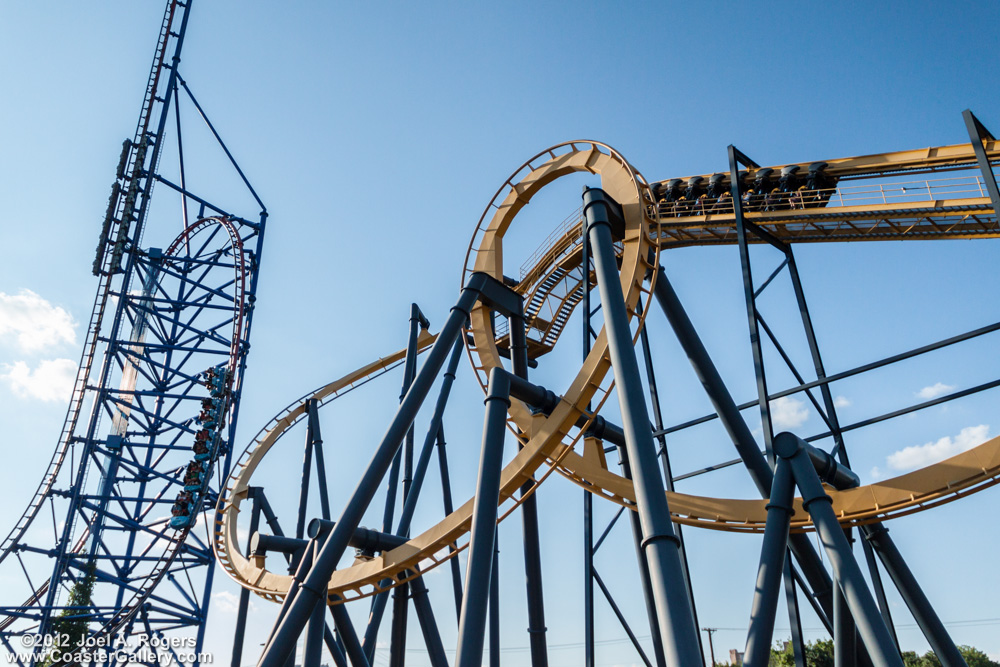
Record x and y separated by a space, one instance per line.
376 134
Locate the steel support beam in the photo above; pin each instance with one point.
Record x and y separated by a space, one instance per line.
300 522
751 303
456 571
345 628
317 443
428 624
676 621
794 619
244 604
770 571
588 497
495 605
845 647
621 619
644 580
668 476
739 433
529 518
410 504
336 652
482 540
283 638
978 133
918 604
397 638
313 645
849 577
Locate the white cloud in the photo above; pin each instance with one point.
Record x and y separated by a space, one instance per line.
229 603
841 402
935 390
918 456
35 322
875 473
788 412
51 381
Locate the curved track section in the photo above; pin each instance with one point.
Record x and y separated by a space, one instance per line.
104 268
540 435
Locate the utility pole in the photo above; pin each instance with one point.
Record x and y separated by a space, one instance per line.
711 649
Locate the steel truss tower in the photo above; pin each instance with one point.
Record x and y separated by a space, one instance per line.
115 542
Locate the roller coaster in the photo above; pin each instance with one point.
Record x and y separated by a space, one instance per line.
155 498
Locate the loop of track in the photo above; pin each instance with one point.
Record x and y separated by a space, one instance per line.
540 435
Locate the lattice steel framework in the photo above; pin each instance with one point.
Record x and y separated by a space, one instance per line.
132 486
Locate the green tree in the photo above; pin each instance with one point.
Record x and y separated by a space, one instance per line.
781 655
930 659
818 654
976 658
68 629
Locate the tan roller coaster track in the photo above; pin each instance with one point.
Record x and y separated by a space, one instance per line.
549 441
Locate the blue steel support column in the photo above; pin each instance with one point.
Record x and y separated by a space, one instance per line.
848 574
668 476
410 505
883 602
846 628
336 652
495 605
318 531
316 437
845 648
301 572
748 291
482 540
300 523
409 370
588 497
284 635
792 604
529 519
758 365
352 645
770 570
244 603
417 322
397 637
758 360
677 628
313 645
918 604
400 594
644 581
977 133
456 572
740 434
428 625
